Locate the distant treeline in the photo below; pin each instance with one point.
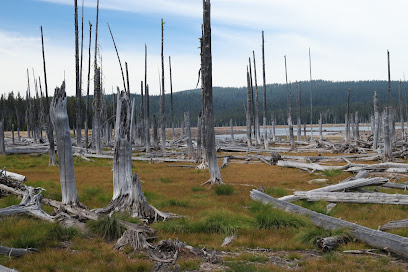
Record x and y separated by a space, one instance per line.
329 98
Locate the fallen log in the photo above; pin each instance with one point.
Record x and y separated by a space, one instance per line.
352 184
16 252
140 158
381 240
12 176
330 243
363 198
395 185
310 166
395 225
6 269
225 162
386 166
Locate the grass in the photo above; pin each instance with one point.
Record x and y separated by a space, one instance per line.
316 206
174 203
197 189
332 172
310 235
276 191
223 189
107 227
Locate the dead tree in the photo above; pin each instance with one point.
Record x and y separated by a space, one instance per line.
289 100
248 111
376 122
59 117
12 134
232 132
251 86
146 108
265 134
87 90
190 149
162 101
257 136
347 133
321 127
401 110
96 126
171 102
299 113
77 80
273 120
387 136
28 107
2 144
356 127
206 70
199 136
155 133
142 115
311 97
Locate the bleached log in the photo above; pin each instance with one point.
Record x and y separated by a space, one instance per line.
363 198
6 269
386 166
15 252
395 185
357 183
330 243
13 176
395 225
225 162
381 240
140 158
311 166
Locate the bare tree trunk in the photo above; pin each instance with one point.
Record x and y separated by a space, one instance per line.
356 127
12 133
347 133
321 127
171 102
2 145
311 97
232 132
376 122
190 149
387 136
273 128
59 117
206 69
147 120
299 122
87 90
251 86
182 129
401 112
155 133
265 133
28 107
258 137
199 135
162 97
77 80
142 115
289 99
97 91
248 111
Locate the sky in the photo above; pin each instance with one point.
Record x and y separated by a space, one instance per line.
348 39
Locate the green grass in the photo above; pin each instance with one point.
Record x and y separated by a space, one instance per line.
107 227
9 200
223 189
268 217
310 235
197 189
174 203
316 206
332 173
276 191
165 180
241 267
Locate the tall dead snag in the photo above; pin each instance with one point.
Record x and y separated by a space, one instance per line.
171 102
401 112
190 149
376 122
96 126
12 134
299 113
386 123
248 111
146 108
50 127
289 99
2 145
28 107
311 97
155 133
59 118
232 132
77 80
265 134
321 127
87 89
206 70
142 115
199 136
127 191
162 101
257 136
356 127
273 120
347 119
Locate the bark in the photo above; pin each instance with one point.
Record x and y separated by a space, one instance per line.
162 97
248 112
347 133
171 102
257 135
77 80
155 133
199 136
387 136
96 125
376 122
147 120
59 117
356 127
190 149
206 69
311 97
265 133
382 240
2 144
321 127
299 113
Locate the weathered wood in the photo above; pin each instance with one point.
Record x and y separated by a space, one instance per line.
289 101
77 80
330 243
15 252
6 269
59 117
321 127
256 119
12 176
265 133
190 149
225 162
96 125
347 121
382 240
248 112
162 95
395 225
309 166
299 112
2 143
87 89
311 97
363 198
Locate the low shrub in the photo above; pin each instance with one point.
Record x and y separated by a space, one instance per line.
107 227
223 189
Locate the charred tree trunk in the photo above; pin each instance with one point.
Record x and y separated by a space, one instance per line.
248 111
321 127
142 115
162 97
265 133
155 133
147 120
206 69
77 80
199 135
87 89
2 145
59 117
311 97
299 122
257 135
347 133
376 122
190 149
12 134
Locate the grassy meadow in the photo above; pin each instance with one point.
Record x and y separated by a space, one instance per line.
211 214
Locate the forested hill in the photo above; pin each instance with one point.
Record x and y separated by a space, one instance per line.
329 98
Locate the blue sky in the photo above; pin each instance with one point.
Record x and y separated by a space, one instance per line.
348 40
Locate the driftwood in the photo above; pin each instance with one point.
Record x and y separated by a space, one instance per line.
330 243
13 176
16 252
382 240
225 162
366 198
6 269
395 225
310 166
